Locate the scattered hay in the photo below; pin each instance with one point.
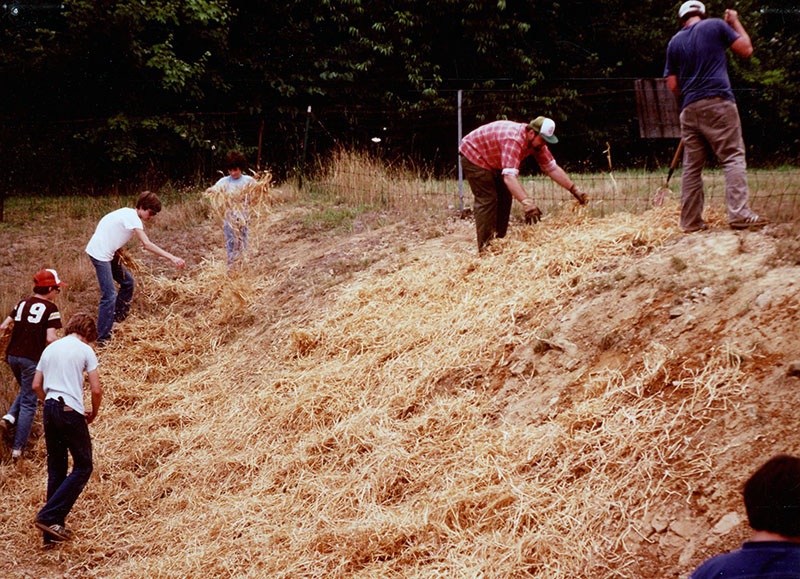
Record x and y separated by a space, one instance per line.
370 440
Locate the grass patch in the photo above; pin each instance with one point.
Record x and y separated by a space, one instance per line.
339 218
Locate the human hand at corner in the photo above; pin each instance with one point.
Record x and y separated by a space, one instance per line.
731 15
179 263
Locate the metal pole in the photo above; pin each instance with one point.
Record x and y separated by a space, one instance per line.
305 145
460 173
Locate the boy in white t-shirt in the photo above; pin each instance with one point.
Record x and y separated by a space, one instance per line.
113 231
58 383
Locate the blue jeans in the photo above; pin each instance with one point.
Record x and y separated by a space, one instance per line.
24 406
114 306
64 431
235 230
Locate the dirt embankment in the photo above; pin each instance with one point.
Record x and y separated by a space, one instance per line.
603 429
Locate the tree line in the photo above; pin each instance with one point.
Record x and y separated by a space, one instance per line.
97 94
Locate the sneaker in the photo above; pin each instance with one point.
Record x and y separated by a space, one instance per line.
50 541
752 222
55 532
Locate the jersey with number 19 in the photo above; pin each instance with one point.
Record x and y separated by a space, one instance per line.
32 317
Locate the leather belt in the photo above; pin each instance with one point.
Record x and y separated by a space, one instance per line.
64 406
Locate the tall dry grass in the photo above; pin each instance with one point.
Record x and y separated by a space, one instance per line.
359 178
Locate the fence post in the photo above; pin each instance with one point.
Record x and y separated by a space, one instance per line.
305 145
460 173
260 141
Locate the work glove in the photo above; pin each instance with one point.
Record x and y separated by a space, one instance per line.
578 194
532 213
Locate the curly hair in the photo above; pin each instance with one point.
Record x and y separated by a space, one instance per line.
235 160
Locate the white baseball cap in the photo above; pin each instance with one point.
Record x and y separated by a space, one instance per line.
691 6
545 127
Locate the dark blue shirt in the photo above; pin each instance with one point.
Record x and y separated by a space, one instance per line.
773 559
696 55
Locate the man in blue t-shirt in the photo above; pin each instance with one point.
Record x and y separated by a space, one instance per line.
772 501
697 73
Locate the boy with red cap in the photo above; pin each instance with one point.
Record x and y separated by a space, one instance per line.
35 320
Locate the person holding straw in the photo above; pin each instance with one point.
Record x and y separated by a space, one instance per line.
232 196
112 233
491 156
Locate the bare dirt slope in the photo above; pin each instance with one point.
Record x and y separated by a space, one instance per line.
645 324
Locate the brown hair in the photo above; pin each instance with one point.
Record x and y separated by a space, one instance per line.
235 160
772 497
148 200
83 325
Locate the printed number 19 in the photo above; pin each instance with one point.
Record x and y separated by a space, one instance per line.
35 313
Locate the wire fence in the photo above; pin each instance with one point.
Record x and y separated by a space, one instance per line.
773 193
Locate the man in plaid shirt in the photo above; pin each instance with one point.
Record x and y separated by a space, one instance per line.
491 156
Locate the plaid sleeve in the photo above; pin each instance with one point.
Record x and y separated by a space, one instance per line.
510 155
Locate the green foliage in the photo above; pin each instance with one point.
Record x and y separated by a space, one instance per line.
115 70
130 87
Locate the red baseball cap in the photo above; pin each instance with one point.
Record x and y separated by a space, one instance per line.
48 278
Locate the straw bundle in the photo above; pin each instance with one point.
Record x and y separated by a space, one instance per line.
127 261
374 439
257 198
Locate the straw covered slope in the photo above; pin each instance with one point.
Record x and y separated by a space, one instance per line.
584 401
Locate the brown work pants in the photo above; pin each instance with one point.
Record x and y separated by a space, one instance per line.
492 205
712 125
